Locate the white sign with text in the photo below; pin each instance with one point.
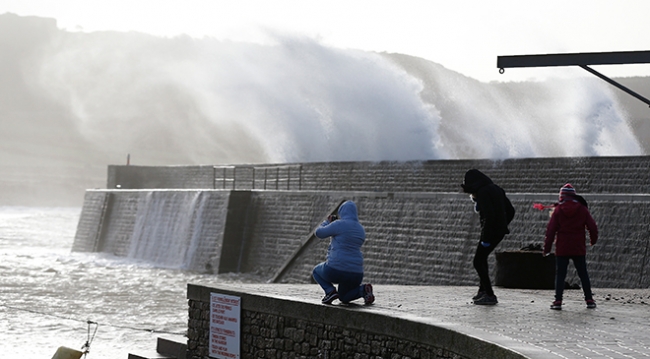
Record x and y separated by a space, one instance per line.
225 324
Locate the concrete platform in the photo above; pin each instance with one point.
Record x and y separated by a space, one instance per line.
521 322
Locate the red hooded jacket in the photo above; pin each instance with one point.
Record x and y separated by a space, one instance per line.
567 228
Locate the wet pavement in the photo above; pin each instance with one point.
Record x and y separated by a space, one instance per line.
522 321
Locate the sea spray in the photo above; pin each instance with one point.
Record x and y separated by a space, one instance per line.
554 118
210 101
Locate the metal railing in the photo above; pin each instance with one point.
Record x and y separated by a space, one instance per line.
268 177
224 177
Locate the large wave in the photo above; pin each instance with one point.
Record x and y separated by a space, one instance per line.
300 101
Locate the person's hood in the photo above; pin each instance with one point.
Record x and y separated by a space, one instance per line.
348 210
474 180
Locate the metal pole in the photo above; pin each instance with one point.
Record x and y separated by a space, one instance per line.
614 83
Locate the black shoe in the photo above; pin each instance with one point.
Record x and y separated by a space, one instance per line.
556 305
479 295
487 300
330 297
591 304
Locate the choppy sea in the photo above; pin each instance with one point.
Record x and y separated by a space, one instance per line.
51 297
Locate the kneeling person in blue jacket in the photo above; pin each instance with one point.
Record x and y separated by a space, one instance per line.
344 264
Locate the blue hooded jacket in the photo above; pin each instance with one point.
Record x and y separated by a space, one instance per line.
348 235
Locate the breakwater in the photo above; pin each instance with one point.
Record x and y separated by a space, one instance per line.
615 175
288 325
421 230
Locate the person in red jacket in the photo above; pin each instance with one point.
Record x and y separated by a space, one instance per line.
567 229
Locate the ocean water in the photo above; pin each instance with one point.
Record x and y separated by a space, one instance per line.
49 294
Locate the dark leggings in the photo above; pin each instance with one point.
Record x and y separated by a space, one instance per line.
561 266
350 287
481 264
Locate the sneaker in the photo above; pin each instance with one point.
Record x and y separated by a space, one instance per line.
478 295
368 297
487 300
557 305
330 297
591 304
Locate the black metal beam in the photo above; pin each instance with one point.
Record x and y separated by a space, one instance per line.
582 60
616 84
576 59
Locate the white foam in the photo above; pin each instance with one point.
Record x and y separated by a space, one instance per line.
209 101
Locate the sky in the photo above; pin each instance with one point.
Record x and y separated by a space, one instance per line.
463 35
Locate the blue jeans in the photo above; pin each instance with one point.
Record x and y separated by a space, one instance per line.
350 287
561 265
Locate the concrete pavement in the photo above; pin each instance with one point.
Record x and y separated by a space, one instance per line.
522 321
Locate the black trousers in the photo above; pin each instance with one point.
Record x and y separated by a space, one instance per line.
481 263
561 265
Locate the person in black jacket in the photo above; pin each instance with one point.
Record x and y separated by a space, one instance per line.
495 212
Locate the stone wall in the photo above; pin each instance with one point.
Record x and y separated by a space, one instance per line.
429 239
177 228
282 328
152 177
412 238
529 175
90 221
119 223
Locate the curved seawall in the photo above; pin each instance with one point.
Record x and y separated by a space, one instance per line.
284 322
414 237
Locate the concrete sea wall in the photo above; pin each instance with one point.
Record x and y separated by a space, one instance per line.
274 327
616 175
413 238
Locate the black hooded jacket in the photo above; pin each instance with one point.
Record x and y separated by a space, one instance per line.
494 207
